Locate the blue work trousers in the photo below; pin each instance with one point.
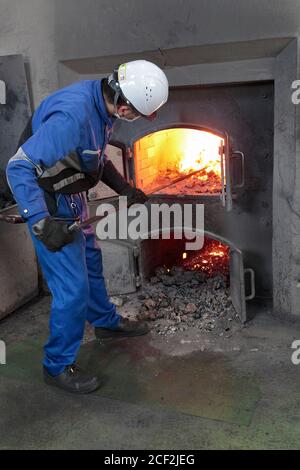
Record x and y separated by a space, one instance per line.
74 276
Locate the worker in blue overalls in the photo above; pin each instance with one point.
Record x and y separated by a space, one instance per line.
61 156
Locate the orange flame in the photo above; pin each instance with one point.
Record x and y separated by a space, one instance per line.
171 153
201 151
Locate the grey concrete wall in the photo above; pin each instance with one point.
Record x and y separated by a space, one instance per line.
18 267
15 112
28 27
47 31
93 28
222 72
295 228
285 185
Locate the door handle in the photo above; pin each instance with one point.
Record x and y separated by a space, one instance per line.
252 283
222 195
242 158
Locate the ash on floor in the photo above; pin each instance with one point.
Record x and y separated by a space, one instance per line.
176 300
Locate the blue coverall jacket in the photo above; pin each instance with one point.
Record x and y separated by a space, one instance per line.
74 121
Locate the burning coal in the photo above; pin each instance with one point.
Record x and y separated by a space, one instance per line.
212 259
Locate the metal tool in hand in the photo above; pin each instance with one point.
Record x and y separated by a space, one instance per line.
12 219
77 224
18 219
176 180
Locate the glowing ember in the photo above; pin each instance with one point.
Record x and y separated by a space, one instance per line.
164 156
213 258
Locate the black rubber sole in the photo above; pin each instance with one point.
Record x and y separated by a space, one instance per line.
105 334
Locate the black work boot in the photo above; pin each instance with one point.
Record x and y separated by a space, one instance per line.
72 379
124 328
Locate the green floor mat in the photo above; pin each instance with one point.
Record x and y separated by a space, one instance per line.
200 384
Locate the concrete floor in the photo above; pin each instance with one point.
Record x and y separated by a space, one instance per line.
195 390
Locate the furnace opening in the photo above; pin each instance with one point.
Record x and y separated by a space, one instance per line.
211 260
185 289
164 158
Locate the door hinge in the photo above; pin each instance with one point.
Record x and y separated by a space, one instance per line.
136 251
130 163
138 281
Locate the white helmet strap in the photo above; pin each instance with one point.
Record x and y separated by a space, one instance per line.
113 82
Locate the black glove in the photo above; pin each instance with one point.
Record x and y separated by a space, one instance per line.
134 195
53 233
6 197
114 180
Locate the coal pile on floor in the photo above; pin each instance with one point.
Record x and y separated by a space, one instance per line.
175 300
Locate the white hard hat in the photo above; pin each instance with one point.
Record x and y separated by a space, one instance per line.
143 85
